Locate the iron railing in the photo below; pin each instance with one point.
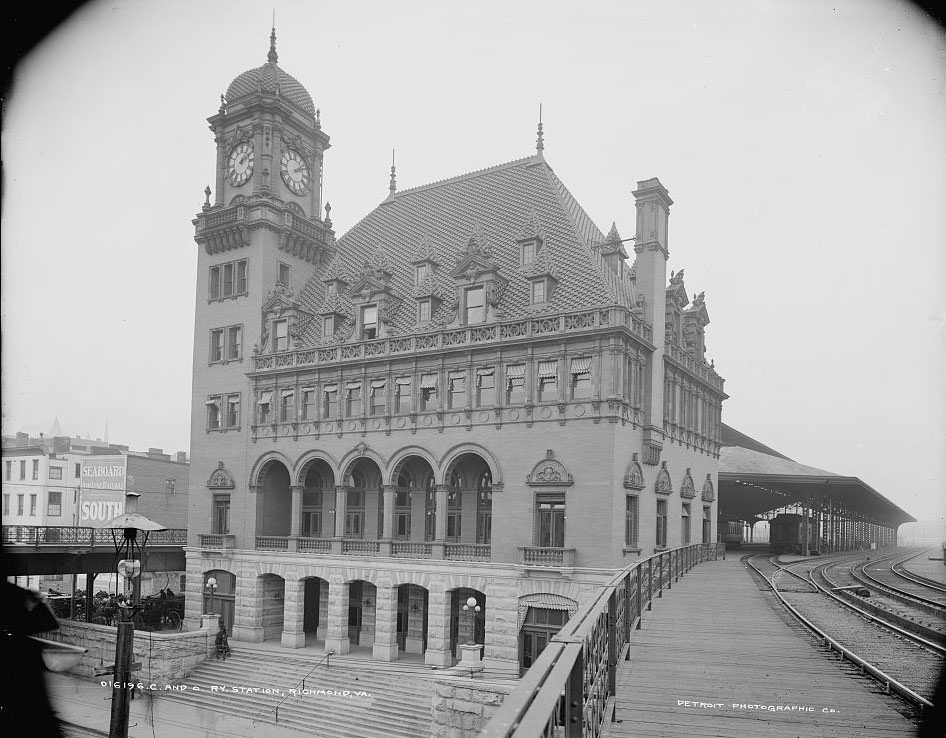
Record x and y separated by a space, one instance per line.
569 691
55 535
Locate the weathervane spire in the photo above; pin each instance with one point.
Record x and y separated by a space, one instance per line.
272 56
392 187
539 139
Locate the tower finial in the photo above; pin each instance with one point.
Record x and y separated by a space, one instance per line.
392 187
272 56
539 142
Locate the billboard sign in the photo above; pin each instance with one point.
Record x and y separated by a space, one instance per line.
102 494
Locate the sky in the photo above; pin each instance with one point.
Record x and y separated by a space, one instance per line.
801 141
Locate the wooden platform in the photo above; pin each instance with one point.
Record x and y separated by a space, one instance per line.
714 654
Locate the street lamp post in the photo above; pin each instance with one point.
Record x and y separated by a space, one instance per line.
211 588
129 552
471 607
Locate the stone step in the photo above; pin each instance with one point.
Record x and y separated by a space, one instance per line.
398 700
413 693
325 717
364 671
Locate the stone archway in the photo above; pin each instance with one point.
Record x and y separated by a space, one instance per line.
273 500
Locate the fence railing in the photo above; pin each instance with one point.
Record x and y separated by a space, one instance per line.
55 535
568 692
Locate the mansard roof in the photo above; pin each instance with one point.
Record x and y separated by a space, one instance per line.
496 204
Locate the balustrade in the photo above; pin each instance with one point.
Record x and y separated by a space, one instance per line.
467 551
272 543
546 556
360 548
315 545
219 541
411 550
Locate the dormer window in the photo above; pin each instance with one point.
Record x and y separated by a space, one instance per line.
328 326
280 335
330 290
369 322
421 272
423 311
475 305
539 293
529 251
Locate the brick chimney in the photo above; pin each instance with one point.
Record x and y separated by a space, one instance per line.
650 246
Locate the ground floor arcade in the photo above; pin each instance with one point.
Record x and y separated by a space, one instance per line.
386 612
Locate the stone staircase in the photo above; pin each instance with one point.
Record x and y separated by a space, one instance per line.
350 698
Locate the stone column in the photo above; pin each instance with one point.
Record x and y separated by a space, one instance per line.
341 502
336 636
441 528
501 651
438 629
295 516
385 626
248 618
387 532
293 629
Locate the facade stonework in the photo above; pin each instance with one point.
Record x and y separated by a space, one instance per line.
444 426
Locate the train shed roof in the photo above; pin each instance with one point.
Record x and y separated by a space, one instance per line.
754 479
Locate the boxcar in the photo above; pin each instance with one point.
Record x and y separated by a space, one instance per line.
787 534
730 533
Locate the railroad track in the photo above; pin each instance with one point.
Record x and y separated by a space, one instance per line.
901 661
906 601
927 586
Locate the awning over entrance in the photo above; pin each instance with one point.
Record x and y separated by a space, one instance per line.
755 479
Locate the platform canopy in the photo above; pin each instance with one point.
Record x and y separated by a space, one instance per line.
755 479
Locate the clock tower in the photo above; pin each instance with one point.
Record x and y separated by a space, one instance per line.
260 236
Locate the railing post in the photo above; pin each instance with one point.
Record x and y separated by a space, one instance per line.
626 635
650 583
574 697
612 648
660 575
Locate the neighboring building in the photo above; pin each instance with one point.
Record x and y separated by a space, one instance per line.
469 395
65 482
37 488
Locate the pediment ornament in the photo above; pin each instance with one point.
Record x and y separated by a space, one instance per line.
549 472
221 478
709 493
634 476
663 485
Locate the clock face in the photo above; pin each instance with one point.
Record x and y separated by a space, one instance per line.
295 172
240 163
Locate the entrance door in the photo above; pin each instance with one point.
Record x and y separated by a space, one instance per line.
531 644
540 625
310 617
354 613
403 603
